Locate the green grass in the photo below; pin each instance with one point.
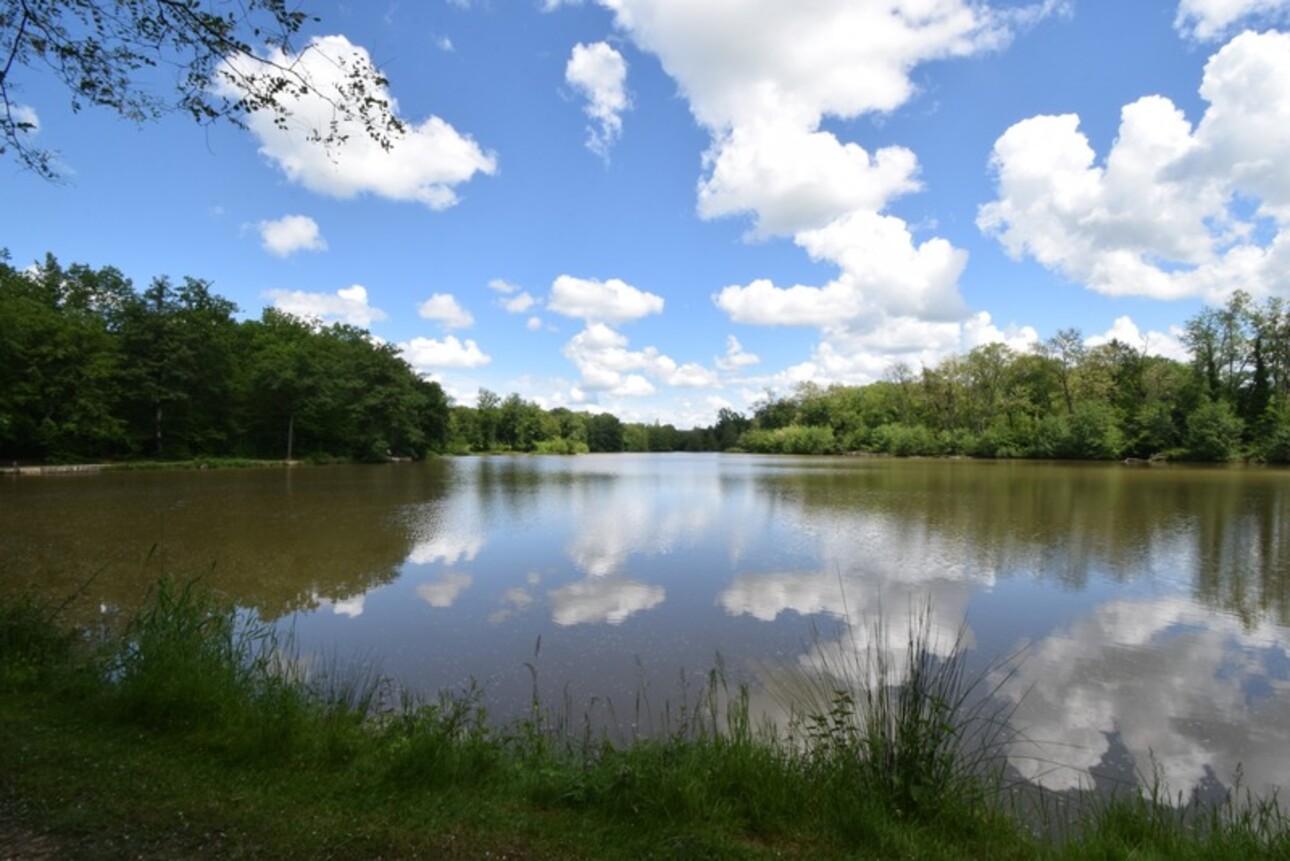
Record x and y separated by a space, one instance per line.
194 463
192 732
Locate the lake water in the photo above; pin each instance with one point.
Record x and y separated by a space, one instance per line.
1149 606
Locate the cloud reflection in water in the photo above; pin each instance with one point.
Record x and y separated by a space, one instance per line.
1187 690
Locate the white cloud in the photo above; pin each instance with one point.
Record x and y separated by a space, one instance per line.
425 354
443 43
291 233
519 303
742 60
883 271
761 79
533 324
794 178
736 357
611 301
859 356
349 305
25 117
601 355
692 375
423 165
1166 215
599 73
1205 20
1168 344
501 285
444 309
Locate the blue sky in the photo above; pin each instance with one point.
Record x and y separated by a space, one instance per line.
663 207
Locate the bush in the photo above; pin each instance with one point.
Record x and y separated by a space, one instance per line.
1213 432
560 445
793 439
1093 433
905 440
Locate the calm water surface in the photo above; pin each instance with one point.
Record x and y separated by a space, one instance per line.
1151 605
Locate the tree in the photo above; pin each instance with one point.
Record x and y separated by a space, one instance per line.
488 410
59 363
1066 348
102 51
604 432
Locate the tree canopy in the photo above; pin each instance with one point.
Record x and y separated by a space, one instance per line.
101 51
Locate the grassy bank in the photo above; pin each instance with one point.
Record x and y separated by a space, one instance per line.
192 733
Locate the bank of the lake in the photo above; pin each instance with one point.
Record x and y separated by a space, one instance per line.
186 734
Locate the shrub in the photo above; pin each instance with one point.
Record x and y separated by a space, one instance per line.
1213 432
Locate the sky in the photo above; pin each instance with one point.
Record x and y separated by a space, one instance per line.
662 208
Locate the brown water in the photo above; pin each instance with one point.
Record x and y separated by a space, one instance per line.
1150 604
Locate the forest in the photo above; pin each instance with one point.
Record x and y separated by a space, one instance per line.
1062 399
92 369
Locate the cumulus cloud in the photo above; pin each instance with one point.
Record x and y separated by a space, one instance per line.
856 356
607 365
599 74
1168 344
291 233
427 354
883 271
762 79
1174 210
519 303
611 301
1205 20
349 305
736 357
793 178
444 309
533 324
423 165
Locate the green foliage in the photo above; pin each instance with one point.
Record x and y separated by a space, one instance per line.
1093 433
904 440
90 369
560 445
604 432
791 439
1213 432
30 642
1276 438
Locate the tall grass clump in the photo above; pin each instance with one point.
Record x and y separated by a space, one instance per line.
907 726
446 744
189 662
31 642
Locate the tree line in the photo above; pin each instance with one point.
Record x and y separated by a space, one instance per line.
1061 399
91 368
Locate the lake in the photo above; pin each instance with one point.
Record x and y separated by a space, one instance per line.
1147 606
